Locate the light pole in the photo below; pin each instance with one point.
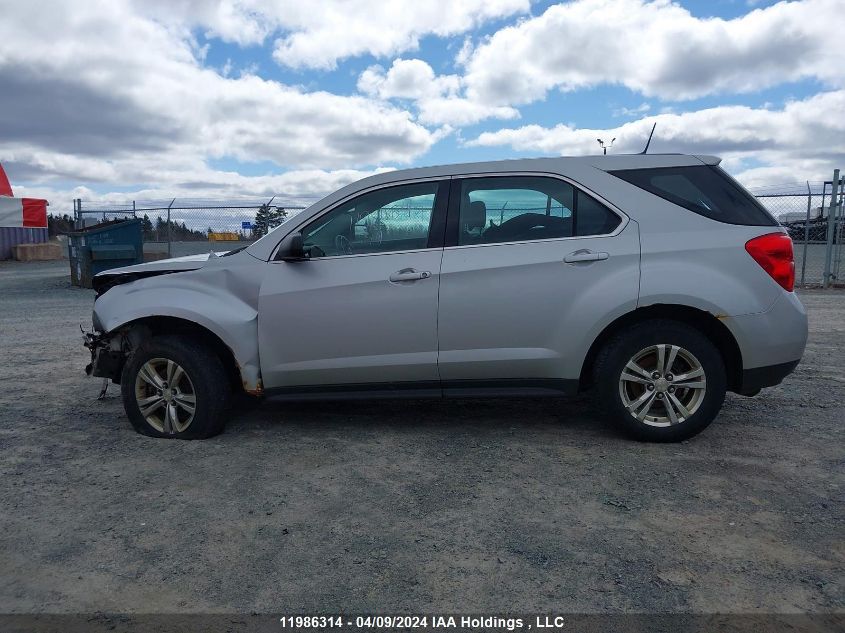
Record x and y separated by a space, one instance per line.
601 142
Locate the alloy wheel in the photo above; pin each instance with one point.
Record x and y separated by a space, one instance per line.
662 385
165 395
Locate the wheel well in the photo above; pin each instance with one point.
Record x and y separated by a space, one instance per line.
703 321
174 325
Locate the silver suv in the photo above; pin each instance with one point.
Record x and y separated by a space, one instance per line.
655 280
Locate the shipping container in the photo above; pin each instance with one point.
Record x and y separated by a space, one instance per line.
11 236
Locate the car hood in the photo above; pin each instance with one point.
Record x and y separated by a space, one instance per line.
174 264
117 276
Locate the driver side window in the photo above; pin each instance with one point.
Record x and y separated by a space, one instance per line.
390 219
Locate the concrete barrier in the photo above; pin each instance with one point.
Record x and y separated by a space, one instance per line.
45 251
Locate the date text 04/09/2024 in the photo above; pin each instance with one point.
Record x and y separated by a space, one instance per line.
422 622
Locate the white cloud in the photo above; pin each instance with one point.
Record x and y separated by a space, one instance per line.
465 53
437 97
96 92
118 92
627 112
407 79
295 187
342 29
318 35
802 140
658 49
240 21
460 111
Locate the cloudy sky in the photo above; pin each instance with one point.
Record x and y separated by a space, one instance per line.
123 99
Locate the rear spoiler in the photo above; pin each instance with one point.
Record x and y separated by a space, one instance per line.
708 160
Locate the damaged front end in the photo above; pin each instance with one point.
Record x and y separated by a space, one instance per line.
105 361
209 299
109 351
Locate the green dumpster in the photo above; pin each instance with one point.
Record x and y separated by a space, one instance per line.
102 247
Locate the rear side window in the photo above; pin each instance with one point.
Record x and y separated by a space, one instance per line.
522 208
703 189
514 208
593 218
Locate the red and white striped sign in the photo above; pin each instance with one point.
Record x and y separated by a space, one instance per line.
26 212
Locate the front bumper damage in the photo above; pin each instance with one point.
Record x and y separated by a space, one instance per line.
210 298
108 354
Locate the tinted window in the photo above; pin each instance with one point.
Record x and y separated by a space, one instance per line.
390 219
593 218
704 189
519 208
514 208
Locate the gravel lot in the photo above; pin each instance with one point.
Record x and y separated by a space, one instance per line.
462 506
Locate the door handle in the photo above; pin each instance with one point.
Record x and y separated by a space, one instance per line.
409 274
585 256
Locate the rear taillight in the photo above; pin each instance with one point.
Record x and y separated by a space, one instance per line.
774 254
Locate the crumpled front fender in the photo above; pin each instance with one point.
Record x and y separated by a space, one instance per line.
223 300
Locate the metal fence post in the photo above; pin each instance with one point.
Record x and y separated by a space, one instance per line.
806 233
831 223
836 251
169 232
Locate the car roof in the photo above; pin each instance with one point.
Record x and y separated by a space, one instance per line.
555 164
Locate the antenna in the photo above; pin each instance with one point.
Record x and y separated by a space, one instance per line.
603 146
649 138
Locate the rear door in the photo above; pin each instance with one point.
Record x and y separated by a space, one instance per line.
532 266
361 313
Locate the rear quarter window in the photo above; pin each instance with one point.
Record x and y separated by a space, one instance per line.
703 189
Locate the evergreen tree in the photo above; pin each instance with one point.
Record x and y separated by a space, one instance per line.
279 216
147 228
59 224
267 218
261 223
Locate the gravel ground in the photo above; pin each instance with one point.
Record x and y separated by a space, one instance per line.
463 506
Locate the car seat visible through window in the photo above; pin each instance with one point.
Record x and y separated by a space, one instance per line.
473 220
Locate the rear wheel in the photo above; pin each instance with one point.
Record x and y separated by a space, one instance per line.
661 380
175 387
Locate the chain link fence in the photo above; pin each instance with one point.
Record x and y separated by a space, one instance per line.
814 220
187 227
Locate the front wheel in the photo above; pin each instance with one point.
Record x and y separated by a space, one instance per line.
661 380
175 387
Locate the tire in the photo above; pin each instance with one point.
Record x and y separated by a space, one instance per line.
655 400
202 386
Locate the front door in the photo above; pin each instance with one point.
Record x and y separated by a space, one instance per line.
362 311
529 269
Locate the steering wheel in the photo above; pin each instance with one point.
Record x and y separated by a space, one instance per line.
343 245
524 227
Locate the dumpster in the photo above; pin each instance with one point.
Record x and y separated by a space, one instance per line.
102 247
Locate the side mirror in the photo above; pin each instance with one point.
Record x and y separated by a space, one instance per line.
292 249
